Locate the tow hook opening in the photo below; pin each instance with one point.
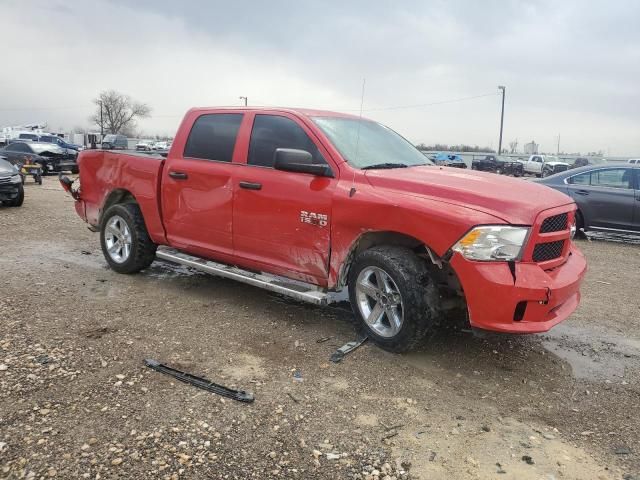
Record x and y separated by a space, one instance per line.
520 310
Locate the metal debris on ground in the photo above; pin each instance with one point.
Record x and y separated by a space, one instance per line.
347 348
323 339
200 382
528 459
297 376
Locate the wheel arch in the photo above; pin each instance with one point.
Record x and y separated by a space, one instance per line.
371 239
119 196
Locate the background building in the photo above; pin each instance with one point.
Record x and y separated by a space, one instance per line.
531 148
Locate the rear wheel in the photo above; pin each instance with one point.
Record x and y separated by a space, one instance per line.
393 297
580 225
124 239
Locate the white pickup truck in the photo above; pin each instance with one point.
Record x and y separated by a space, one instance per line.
544 165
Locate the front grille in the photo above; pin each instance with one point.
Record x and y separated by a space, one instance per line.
548 251
557 223
560 168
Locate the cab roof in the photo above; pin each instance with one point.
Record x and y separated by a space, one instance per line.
306 112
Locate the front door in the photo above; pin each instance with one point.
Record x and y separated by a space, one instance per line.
197 189
282 220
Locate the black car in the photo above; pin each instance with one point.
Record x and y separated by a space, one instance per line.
499 165
11 189
115 142
607 195
50 156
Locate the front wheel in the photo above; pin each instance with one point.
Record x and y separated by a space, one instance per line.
393 297
19 200
124 239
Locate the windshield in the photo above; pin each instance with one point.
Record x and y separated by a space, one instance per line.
376 145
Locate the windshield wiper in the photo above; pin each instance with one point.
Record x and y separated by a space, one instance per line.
385 165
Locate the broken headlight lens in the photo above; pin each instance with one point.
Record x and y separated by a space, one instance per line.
492 243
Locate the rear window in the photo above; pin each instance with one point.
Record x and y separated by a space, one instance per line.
213 137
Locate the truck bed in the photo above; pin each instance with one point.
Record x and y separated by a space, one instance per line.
108 174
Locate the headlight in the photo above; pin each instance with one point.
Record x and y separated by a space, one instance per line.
492 243
16 178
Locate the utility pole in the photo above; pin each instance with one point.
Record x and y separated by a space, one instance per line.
558 151
245 100
101 123
503 88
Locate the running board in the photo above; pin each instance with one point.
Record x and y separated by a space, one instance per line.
298 290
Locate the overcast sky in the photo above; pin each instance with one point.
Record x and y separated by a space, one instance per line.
571 67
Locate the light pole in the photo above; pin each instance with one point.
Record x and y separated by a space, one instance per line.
245 100
503 88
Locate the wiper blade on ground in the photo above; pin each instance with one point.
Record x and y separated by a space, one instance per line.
385 165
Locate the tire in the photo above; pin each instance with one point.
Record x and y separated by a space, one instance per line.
580 229
75 171
416 298
18 201
38 179
538 175
45 168
499 171
127 220
545 173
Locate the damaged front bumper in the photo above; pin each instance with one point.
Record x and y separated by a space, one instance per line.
522 299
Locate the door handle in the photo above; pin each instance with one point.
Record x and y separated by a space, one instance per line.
251 185
178 175
582 192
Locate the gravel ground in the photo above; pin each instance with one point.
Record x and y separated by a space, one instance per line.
76 400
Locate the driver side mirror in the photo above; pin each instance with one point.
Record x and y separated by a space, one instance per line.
299 161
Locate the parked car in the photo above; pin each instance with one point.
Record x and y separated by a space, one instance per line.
544 165
61 142
50 156
28 136
498 164
321 217
449 160
583 161
11 189
161 146
606 195
144 146
115 142
634 160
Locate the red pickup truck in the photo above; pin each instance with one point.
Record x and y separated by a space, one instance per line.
316 204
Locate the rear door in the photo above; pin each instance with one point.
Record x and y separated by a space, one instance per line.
606 197
282 220
197 191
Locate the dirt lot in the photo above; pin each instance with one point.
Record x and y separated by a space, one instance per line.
76 400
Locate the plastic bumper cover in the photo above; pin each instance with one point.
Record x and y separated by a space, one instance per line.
530 300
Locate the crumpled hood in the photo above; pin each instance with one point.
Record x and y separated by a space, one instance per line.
513 200
6 168
556 163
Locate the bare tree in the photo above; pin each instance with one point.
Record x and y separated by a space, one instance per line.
117 113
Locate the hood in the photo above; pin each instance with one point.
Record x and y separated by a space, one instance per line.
556 163
513 200
6 169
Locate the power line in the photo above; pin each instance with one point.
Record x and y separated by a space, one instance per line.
421 105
